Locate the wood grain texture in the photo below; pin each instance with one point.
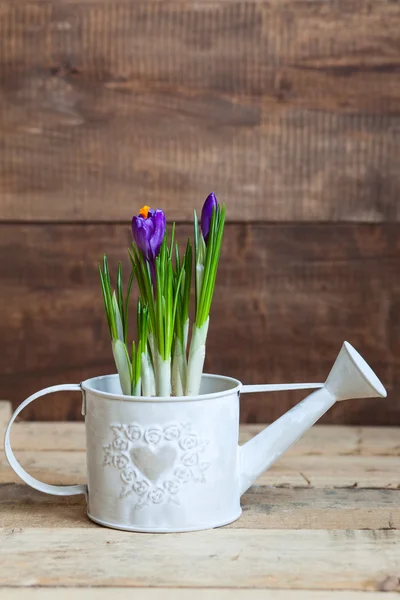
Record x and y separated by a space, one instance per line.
359 560
290 111
296 471
264 507
324 440
348 535
40 593
286 299
5 414
344 458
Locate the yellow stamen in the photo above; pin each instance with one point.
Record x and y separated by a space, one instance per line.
144 211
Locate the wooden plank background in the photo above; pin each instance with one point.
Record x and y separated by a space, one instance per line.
289 110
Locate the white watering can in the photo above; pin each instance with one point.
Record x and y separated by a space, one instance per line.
174 464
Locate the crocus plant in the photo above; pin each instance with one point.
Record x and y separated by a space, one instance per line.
160 363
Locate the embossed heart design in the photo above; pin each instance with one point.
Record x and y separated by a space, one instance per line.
154 463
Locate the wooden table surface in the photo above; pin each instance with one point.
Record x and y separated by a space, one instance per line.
323 522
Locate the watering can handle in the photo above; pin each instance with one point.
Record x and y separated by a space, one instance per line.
279 387
56 490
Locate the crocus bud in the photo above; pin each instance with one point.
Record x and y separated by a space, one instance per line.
148 230
206 214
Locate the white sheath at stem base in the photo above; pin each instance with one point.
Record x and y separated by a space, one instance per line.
148 381
197 354
136 388
179 364
178 370
163 376
122 362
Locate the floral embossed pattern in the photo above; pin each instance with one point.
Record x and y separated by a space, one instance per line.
155 462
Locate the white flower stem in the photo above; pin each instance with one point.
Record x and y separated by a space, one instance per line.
199 278
152 344
185 334
197 354
118 320
179 363
163 376
148 381
123 364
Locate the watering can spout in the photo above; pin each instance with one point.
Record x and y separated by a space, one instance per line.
350 377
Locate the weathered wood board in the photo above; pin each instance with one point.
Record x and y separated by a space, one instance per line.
236 558
290 110
319 441
264 507
297 471
302 512
287 297
187 594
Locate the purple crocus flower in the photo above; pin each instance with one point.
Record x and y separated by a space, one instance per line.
148 230
210 203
